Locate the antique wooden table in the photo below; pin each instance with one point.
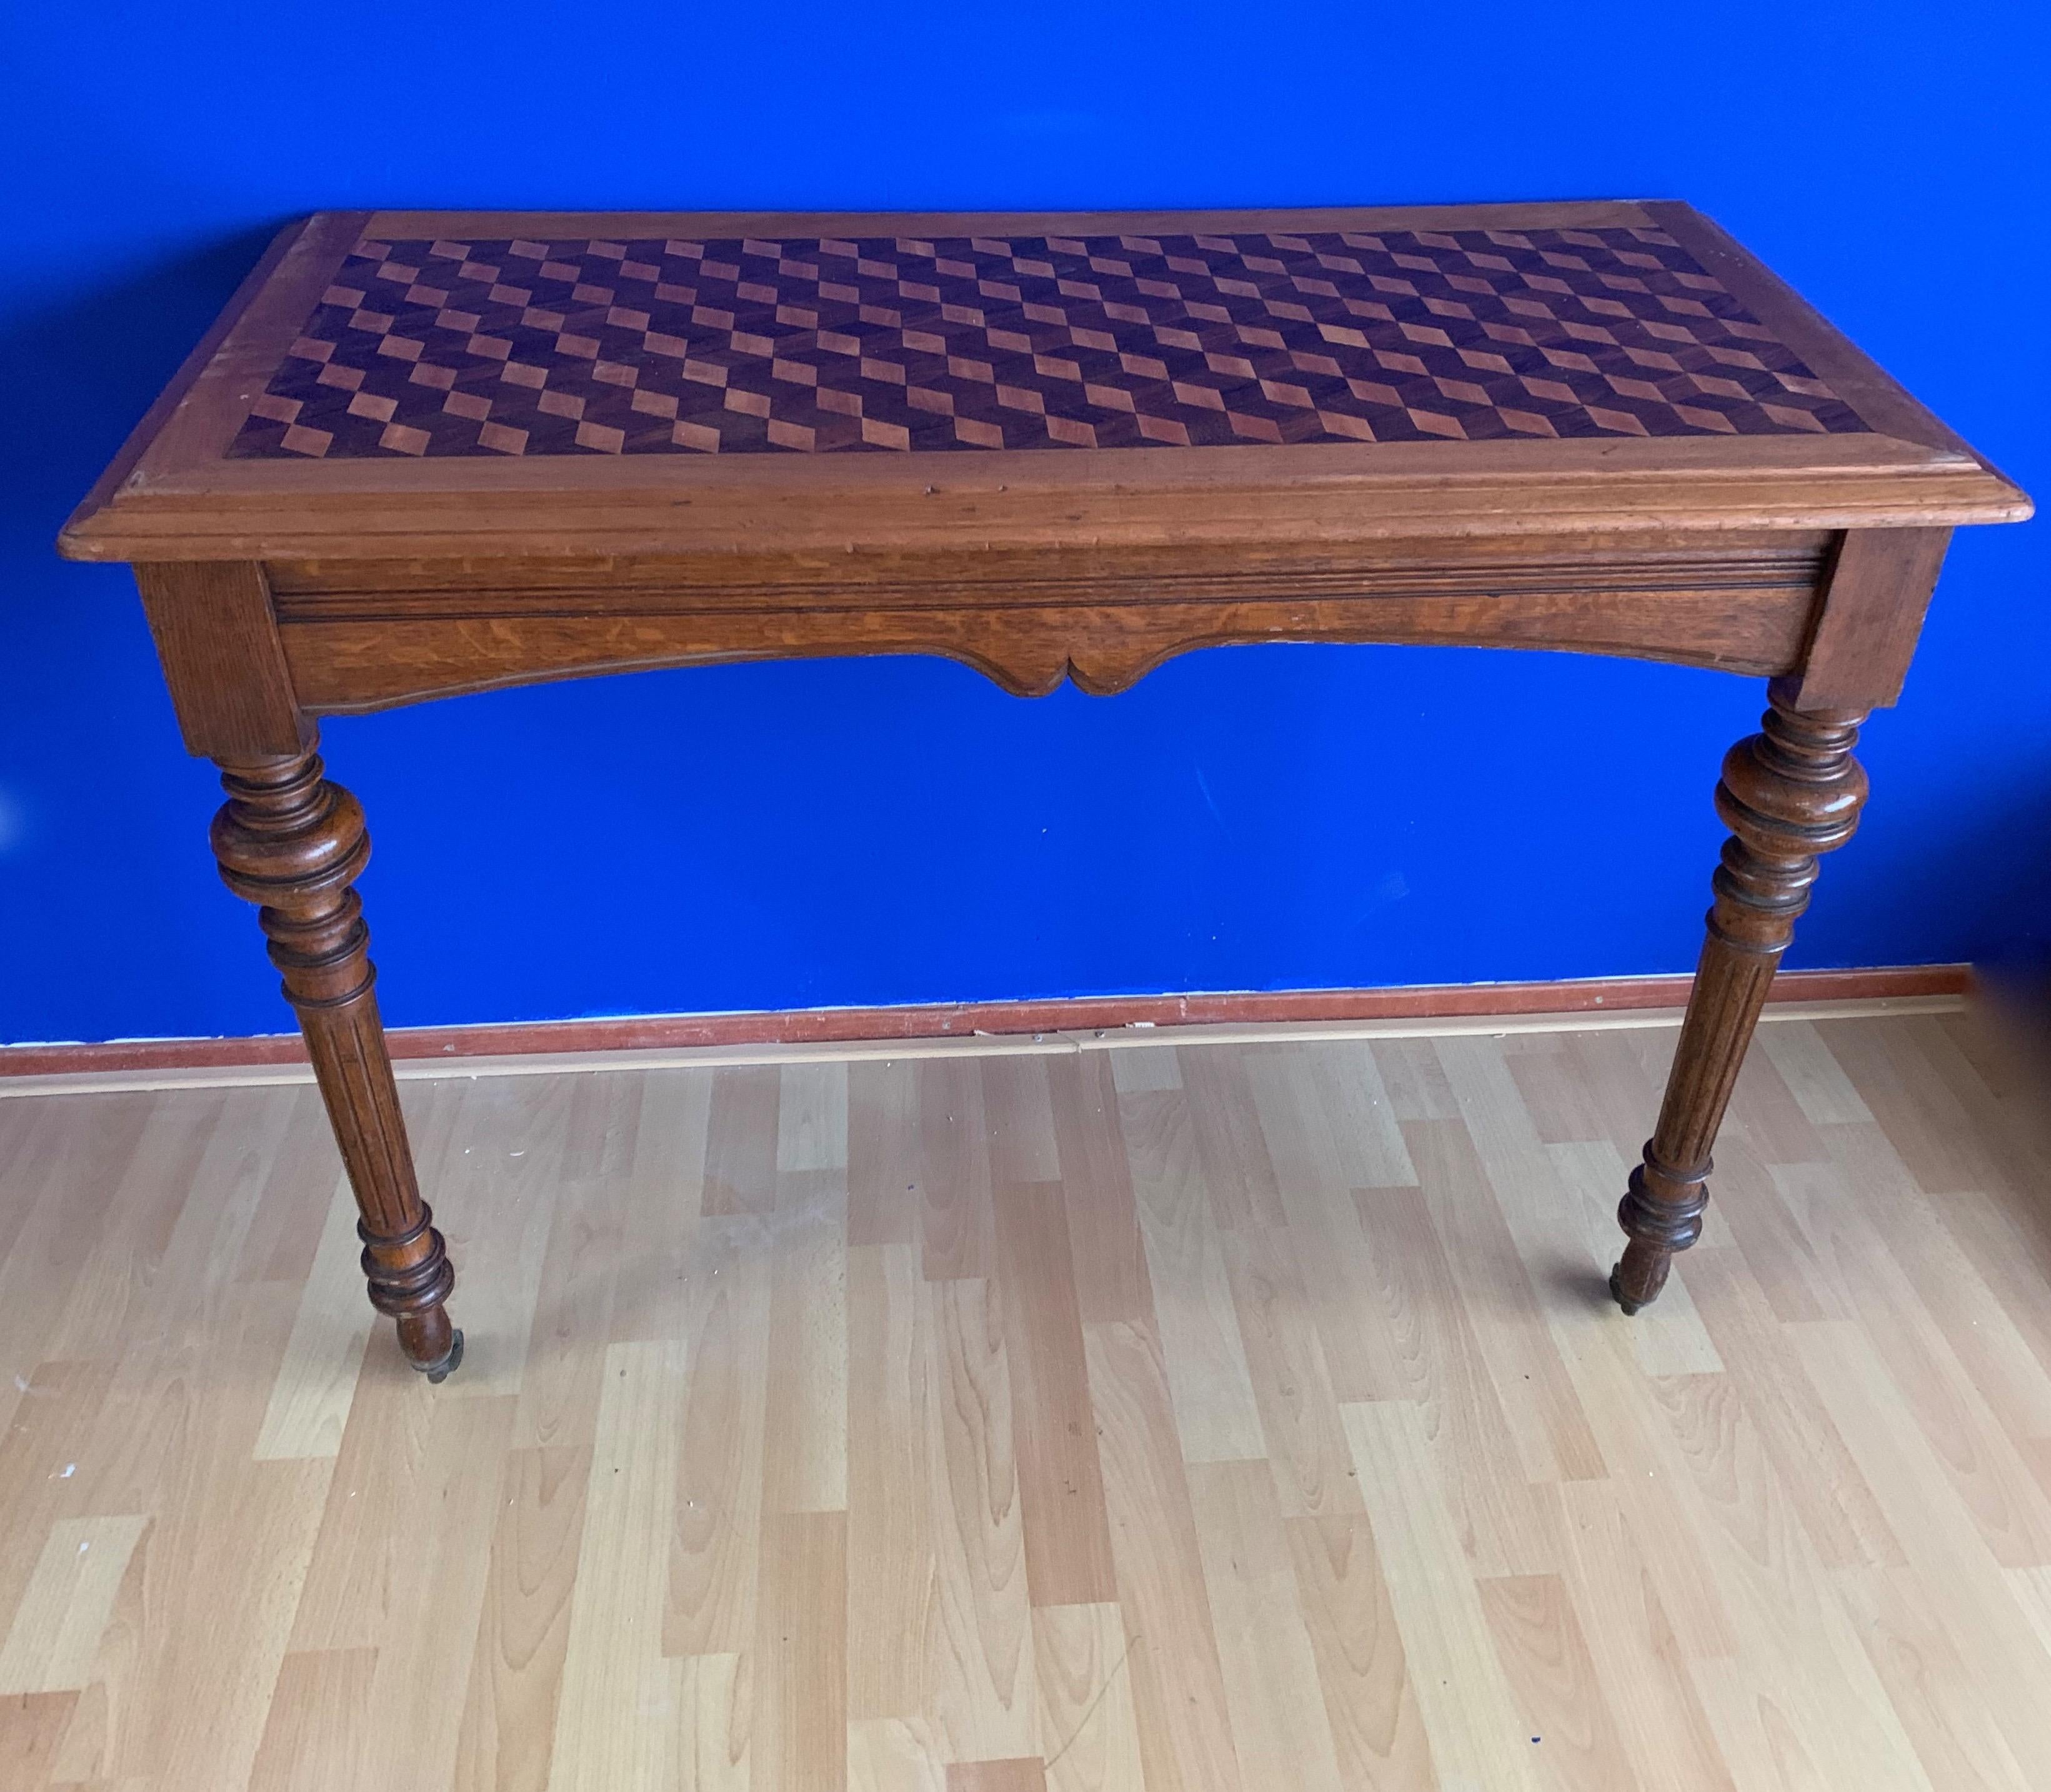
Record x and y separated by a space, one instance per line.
430 452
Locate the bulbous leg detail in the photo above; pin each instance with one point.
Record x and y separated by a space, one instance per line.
293 844
1789 794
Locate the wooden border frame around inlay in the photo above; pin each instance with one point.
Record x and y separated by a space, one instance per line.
965 1021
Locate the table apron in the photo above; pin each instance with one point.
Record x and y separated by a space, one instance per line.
365 635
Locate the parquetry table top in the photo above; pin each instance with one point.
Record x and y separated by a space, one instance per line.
671 381
912 344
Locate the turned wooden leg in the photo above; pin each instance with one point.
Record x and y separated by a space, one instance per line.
293 844
1787 794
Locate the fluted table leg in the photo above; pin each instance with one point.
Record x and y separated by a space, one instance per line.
1788 794
293 843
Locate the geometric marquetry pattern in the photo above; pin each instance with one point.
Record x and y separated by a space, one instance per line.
895 344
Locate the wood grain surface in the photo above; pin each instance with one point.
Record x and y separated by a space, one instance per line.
1221 1416
173 494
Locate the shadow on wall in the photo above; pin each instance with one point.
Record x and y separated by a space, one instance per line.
72 370
2013 890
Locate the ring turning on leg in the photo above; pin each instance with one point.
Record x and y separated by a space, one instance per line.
1788 795
293 844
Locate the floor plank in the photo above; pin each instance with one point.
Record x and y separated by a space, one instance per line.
1190 1418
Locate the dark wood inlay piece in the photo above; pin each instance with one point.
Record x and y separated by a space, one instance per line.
911 342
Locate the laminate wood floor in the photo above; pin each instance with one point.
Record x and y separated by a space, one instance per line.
1194 1419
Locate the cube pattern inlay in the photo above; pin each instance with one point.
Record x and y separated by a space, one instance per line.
592 347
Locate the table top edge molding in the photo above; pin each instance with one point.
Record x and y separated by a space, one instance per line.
173 494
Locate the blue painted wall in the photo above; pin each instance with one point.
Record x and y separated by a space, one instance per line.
899 830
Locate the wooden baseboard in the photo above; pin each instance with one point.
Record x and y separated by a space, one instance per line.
1087 1014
